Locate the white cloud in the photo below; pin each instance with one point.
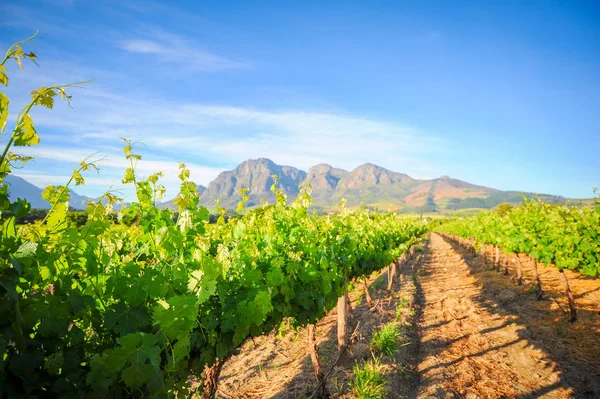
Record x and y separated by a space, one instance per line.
227 135
203 135
209 138
175 49
112 166
43 180
304 138
144 46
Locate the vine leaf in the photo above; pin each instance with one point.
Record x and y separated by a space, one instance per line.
44 97
25 134
3 109
57 219
125 320
177 316
137 357
3 76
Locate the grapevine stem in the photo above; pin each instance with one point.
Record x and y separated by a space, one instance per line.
10 49
20 117
97 292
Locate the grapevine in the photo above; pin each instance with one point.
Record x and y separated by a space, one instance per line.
107 309
560 235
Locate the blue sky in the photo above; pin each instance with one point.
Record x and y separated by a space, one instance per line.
504 94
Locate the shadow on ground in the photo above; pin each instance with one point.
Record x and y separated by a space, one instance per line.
574 347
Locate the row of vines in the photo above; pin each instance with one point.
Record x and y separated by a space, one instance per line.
564 236
117 310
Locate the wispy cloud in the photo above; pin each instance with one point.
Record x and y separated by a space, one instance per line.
170 48
225 135
209 138
43 179
113 160
144 46
302 138
111 169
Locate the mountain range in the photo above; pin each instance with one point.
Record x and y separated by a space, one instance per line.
21 188
368 184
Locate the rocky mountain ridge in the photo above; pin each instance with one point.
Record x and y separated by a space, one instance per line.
367 184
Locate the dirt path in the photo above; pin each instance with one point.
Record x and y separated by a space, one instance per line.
470 346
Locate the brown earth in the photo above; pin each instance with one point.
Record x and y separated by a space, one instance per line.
467 332
484 336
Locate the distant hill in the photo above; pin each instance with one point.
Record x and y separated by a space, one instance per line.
21 188
324 180
368 184
256 175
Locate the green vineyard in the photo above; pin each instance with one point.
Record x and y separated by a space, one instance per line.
135 300
563 236
107 309
568 237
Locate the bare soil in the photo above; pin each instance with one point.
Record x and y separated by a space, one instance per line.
467 332
484 336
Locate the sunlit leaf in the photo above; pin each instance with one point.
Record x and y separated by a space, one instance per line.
3 110
3 76
25 134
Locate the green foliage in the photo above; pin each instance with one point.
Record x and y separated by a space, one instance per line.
403 303
369 382
385 339
378 284
399 312
26 215
503 209
94 308
566 236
